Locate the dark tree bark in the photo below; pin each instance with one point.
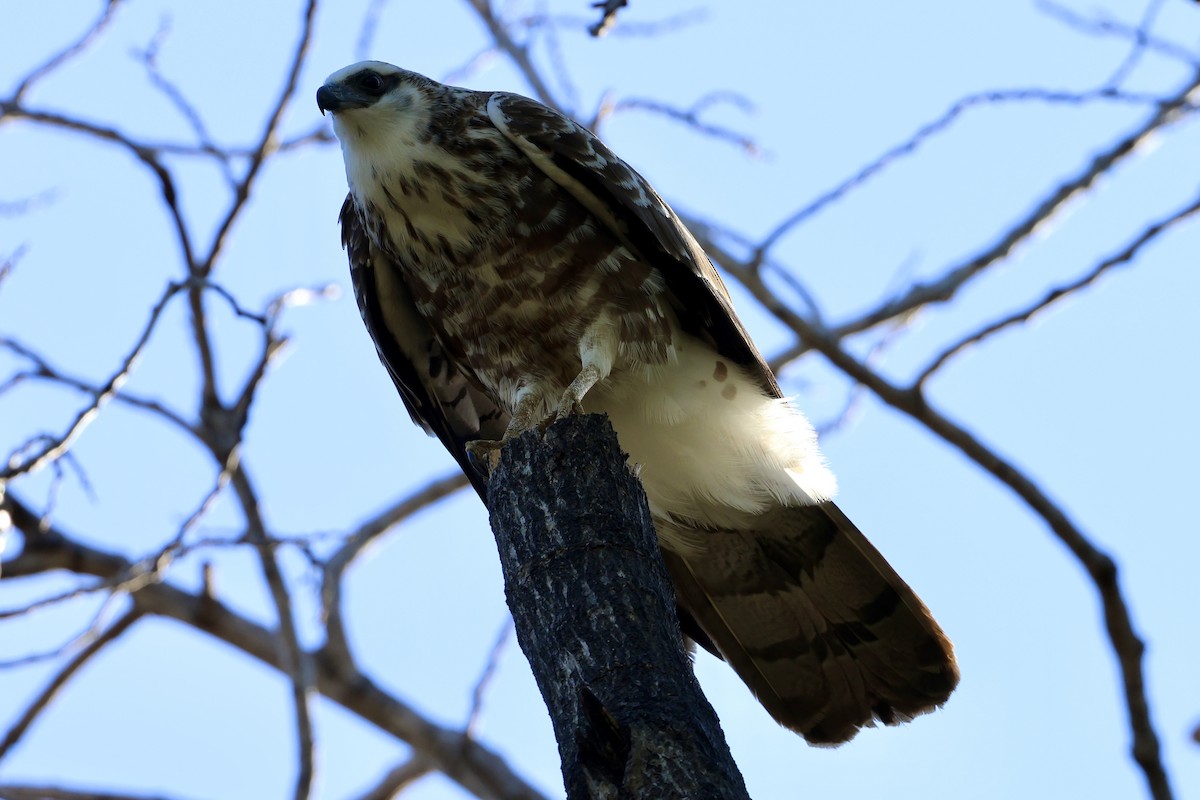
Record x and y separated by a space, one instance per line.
595 615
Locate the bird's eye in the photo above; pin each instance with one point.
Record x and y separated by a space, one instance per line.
371 83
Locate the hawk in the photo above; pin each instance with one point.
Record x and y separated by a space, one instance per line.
511 270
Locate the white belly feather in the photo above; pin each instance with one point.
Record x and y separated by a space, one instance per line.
710 446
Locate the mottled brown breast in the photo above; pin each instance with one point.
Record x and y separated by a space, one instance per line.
512 281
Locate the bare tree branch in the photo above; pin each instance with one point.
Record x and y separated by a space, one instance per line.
399 778
42 370
455 754
485 677
557 58
15 792
24 205
519 54
42 700
69 52
608 9
1141 40
146 154
1101 26
294 661
56 446
944 288
220 430
76 642
650 29
1169 112
366 29
266 141
149 59
1121 258
367 533
687 116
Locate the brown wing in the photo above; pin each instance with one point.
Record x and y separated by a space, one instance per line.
626 202
435 390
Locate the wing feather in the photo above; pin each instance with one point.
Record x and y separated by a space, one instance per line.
627 204
435 390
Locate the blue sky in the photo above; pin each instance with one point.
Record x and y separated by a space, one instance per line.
1094 400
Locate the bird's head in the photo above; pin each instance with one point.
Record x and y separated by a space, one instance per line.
373 98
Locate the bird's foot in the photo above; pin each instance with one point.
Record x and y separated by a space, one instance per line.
571 402
567 406
484 454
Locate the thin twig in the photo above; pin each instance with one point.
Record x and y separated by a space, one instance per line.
202 269
688 116
366 29
69 52
59 445
476 63
647 29
272 344
857 392
608 10
17 208
150 159
175 96
148 569
519 54
82 639
557 58
399 778
945 288
148 155
1108 27
31 792
42 370
943 122
1141 38
266 141
42 700
393 515
358 541
294 660
1120 258
489 672
320 134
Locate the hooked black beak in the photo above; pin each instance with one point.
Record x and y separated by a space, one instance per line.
336 97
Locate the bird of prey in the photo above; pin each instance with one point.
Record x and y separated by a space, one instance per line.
511 270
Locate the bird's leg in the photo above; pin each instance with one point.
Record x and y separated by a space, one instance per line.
572 399
486 452
597 349
525 416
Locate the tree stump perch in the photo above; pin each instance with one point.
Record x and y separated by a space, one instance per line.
595 614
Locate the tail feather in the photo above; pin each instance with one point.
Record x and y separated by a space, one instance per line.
787 589
814 620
